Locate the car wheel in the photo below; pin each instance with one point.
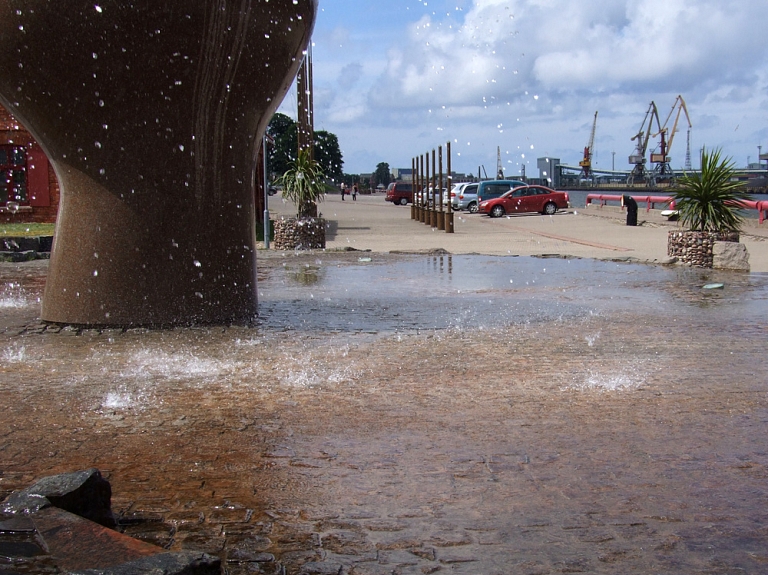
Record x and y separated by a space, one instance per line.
403 201
550 209
497 211
472 208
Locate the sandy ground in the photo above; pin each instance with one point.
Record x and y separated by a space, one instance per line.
371 223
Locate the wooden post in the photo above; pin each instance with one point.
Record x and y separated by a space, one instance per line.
440 213
449 215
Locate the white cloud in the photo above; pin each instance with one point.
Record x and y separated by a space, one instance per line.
515 72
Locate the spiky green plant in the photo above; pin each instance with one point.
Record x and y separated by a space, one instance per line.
303 184
707 201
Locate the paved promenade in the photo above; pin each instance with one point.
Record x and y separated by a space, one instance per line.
373 224
421 414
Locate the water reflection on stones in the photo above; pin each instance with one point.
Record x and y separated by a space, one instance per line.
418 414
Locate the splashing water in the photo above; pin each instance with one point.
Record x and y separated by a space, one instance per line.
13 297
617 381
118 400
14 354
147 363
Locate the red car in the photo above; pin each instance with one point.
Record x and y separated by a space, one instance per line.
525 199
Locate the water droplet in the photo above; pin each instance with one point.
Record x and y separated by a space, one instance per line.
97 144
95 273
197 264
99 10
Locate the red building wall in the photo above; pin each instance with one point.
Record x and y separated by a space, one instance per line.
42 186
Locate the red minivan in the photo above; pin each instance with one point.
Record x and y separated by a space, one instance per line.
399 193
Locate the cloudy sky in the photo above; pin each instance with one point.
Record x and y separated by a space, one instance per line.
396 78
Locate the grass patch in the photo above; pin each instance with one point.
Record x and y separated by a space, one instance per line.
26 230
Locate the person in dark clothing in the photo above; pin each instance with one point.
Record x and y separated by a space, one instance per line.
631 205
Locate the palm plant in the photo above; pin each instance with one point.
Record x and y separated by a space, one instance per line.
708 201
304 184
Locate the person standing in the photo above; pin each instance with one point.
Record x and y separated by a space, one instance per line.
631 205
354 193
343 190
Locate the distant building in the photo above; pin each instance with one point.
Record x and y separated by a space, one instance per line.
402 174
549 170
29 190
406 175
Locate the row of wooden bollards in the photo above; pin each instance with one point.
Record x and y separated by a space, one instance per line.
428 206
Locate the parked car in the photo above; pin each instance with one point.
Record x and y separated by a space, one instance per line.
467 198
525 199
455 193
490 189
429 197
399 193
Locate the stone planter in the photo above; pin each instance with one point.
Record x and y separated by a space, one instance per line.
695 248
299 234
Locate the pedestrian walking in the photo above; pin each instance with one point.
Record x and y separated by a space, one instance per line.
354 193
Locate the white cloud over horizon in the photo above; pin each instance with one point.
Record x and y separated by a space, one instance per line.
393 81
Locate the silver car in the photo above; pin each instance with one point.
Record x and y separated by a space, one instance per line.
466 199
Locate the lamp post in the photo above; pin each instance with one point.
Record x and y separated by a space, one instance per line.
266 192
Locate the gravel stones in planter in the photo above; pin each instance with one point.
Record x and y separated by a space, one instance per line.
299 234
695 248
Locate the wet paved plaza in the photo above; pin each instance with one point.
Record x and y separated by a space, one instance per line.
418 414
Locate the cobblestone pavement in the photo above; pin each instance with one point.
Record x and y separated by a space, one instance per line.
625 435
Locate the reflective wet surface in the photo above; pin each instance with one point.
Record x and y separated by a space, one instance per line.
417 414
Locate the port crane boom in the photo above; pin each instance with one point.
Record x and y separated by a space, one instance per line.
586 163
662 159
639 172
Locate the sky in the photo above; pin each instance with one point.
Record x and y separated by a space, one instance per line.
394 79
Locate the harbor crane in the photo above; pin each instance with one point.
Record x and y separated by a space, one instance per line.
586 163
662 170
639 172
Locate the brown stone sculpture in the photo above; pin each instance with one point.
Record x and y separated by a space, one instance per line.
152 115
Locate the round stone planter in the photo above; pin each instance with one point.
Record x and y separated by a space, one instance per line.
695 248
300 234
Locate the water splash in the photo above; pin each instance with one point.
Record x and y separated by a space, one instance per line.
13 297
611 381
119 400
15 354
148 363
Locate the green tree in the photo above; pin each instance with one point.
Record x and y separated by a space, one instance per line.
382 174
283 130
328 154
707 201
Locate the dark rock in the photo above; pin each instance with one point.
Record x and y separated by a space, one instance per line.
85 493
20 550
21 524
315 568
182 563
